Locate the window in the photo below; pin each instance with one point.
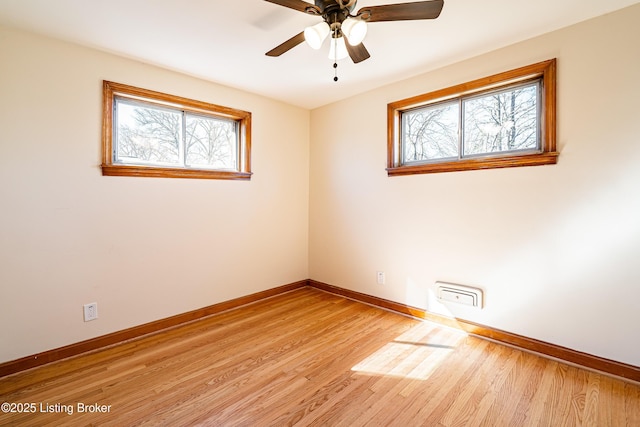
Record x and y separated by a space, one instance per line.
147 133
500 121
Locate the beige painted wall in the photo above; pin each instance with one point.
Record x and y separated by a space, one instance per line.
555 248
142 248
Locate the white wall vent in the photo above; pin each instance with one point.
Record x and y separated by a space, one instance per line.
449 292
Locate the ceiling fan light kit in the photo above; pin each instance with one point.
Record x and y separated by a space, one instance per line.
342 24
338 49
354 30
315 35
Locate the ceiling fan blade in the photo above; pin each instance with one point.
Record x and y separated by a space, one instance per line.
299 5
357 53
289 44
402 11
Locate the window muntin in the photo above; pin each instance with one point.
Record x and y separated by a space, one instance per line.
147 133
500 121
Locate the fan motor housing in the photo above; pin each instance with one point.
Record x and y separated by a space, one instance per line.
331 5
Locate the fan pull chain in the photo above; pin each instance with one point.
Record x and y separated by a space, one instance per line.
334 40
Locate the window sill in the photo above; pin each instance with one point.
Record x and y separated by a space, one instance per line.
548 158
153 172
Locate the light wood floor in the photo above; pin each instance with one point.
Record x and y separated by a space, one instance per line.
312 358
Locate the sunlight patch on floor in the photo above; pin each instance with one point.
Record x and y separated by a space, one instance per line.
415 354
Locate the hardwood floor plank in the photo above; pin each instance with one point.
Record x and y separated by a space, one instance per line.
592 398
632 404
431 393
492 397
514 399
467 403
310 358
432 348
437 408
544 405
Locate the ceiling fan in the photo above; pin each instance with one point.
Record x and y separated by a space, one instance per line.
339 21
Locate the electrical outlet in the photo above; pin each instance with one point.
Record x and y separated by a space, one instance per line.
380 277
90 311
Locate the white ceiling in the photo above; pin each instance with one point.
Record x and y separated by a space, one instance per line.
225 41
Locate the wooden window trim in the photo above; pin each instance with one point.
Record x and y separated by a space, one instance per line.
545 70
109 168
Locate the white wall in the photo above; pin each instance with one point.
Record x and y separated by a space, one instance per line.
142 248
556 248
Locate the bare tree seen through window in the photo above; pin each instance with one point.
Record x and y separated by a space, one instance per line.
211 142
431 133
502 121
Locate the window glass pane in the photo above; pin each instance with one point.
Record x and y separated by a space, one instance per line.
430 133
501 121
211 143
147 135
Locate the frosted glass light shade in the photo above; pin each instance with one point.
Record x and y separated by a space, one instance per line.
315 35
338 49
355 30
